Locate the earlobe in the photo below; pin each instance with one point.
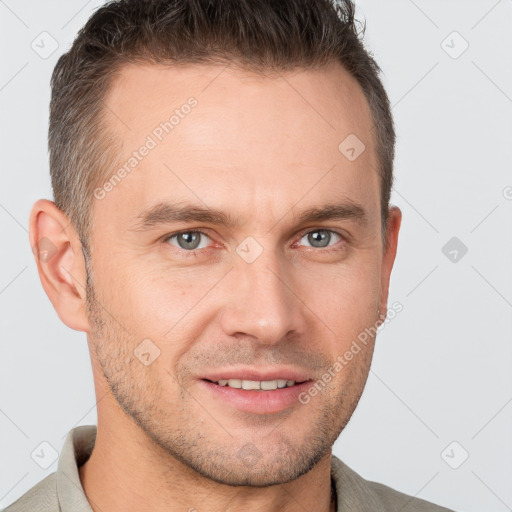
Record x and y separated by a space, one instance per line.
60 262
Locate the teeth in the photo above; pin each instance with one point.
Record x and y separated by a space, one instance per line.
264 385
268 384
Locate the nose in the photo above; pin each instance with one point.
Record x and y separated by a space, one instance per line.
262 302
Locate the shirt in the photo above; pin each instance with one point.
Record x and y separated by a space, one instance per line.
62 490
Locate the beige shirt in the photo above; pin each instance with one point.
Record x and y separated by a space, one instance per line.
62 490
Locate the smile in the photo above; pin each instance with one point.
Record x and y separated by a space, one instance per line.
264 385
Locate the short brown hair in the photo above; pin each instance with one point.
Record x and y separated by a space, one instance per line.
260 35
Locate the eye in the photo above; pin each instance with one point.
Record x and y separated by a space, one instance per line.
188 240
320 238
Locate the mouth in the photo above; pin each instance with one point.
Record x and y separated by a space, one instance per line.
256 385
256 396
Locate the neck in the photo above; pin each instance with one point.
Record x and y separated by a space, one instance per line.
127 472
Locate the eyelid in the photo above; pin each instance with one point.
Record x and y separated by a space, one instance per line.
312 229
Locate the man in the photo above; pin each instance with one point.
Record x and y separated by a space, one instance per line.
222 233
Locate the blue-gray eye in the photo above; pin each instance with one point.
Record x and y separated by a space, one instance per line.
320 237
188 240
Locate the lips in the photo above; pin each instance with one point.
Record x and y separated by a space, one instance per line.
257 390
256 401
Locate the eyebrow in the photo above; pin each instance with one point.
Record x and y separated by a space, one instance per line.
166 213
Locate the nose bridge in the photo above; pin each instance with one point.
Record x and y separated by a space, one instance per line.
262 304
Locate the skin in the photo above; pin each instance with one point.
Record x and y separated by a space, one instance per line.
263 148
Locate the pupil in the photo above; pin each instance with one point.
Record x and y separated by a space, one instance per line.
319 236
190 239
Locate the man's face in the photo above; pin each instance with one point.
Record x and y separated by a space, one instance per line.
270 294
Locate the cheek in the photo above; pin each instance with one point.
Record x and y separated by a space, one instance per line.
347 301
162 302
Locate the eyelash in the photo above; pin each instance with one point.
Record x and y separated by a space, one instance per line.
194 252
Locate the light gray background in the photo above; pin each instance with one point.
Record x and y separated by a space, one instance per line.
442 367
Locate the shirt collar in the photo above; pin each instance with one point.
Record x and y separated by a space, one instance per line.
76 450
79 442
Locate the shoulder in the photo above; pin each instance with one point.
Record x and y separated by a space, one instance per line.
394 500
358 494
40 498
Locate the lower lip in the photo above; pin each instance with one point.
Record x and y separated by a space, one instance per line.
258 402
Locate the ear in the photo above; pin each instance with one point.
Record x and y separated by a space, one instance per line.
60 262
388 256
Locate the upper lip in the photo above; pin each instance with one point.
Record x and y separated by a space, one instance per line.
259 374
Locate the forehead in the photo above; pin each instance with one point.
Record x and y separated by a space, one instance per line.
276 139
326 99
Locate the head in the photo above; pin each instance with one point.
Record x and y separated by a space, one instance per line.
222 175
